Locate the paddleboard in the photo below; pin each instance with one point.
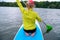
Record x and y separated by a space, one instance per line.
21 34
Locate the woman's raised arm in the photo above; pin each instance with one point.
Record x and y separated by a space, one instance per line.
20 5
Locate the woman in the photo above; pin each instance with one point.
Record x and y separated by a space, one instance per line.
29 17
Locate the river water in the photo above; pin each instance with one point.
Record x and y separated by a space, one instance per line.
11 20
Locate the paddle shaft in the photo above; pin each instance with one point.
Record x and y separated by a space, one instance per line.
44 22
23 2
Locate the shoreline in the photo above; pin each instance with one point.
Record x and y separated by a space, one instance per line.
25 7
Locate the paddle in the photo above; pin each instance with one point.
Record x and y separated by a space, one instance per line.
48 27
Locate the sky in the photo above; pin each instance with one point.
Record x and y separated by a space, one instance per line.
35 0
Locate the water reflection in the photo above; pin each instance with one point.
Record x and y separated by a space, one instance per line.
11 20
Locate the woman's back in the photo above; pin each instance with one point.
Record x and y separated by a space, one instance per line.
29 18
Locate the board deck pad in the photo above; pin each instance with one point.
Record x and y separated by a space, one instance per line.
21 34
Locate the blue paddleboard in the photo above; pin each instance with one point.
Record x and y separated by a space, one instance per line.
21 34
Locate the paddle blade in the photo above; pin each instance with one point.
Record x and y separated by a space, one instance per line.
49 28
